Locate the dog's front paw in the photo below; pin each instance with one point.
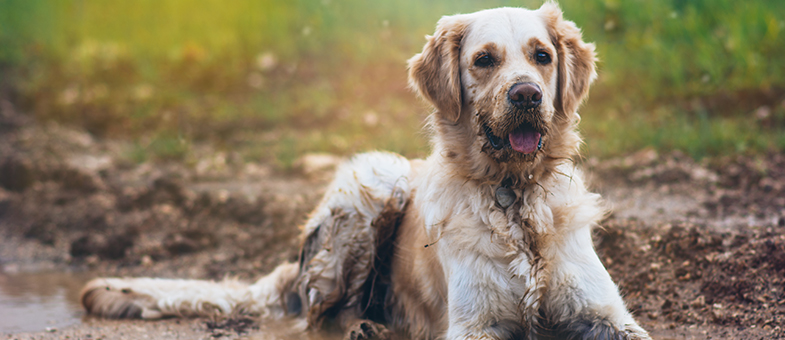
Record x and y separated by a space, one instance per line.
589 329
366 330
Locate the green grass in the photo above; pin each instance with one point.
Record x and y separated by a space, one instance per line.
276 79
697 135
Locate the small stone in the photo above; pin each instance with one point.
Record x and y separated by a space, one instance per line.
698 302
717 313
147 261
505 196
92 260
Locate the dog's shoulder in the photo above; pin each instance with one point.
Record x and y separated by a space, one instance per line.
573 205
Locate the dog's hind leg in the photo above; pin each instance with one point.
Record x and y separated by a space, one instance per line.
347 240
149 298
336 274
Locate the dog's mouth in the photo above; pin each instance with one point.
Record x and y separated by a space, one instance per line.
524 139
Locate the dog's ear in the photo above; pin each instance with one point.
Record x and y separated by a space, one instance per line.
435 73
576 59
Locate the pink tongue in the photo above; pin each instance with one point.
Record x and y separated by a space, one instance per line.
524 140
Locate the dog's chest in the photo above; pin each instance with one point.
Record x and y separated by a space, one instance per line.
497 234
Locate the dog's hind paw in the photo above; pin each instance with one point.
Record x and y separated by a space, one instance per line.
366 330
101 297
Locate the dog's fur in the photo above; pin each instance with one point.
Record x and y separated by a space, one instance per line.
478 241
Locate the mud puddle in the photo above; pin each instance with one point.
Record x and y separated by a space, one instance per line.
31 302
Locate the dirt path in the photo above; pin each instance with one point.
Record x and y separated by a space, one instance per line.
698 249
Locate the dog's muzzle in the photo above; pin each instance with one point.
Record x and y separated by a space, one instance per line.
524 139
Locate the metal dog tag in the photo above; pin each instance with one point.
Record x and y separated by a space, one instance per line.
505 196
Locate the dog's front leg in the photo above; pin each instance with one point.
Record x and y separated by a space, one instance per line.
480 305
582 301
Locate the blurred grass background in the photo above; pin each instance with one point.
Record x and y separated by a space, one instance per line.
276 79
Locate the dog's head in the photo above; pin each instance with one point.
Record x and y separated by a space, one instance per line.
506 84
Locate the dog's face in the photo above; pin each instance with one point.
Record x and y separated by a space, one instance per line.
509 81
506 84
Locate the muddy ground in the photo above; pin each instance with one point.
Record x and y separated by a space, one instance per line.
698 249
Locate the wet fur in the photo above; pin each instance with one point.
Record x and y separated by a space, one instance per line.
424 246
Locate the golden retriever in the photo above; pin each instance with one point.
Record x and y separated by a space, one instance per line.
487 238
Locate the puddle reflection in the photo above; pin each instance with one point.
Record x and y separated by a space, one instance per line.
32 302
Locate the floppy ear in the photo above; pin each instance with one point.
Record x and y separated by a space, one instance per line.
576 59
435 73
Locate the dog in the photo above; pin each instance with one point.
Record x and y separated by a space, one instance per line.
487 238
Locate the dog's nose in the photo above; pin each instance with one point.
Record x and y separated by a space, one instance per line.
525 95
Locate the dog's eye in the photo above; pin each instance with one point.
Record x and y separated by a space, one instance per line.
543 58
484 60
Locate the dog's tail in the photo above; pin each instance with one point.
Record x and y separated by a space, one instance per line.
148 298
